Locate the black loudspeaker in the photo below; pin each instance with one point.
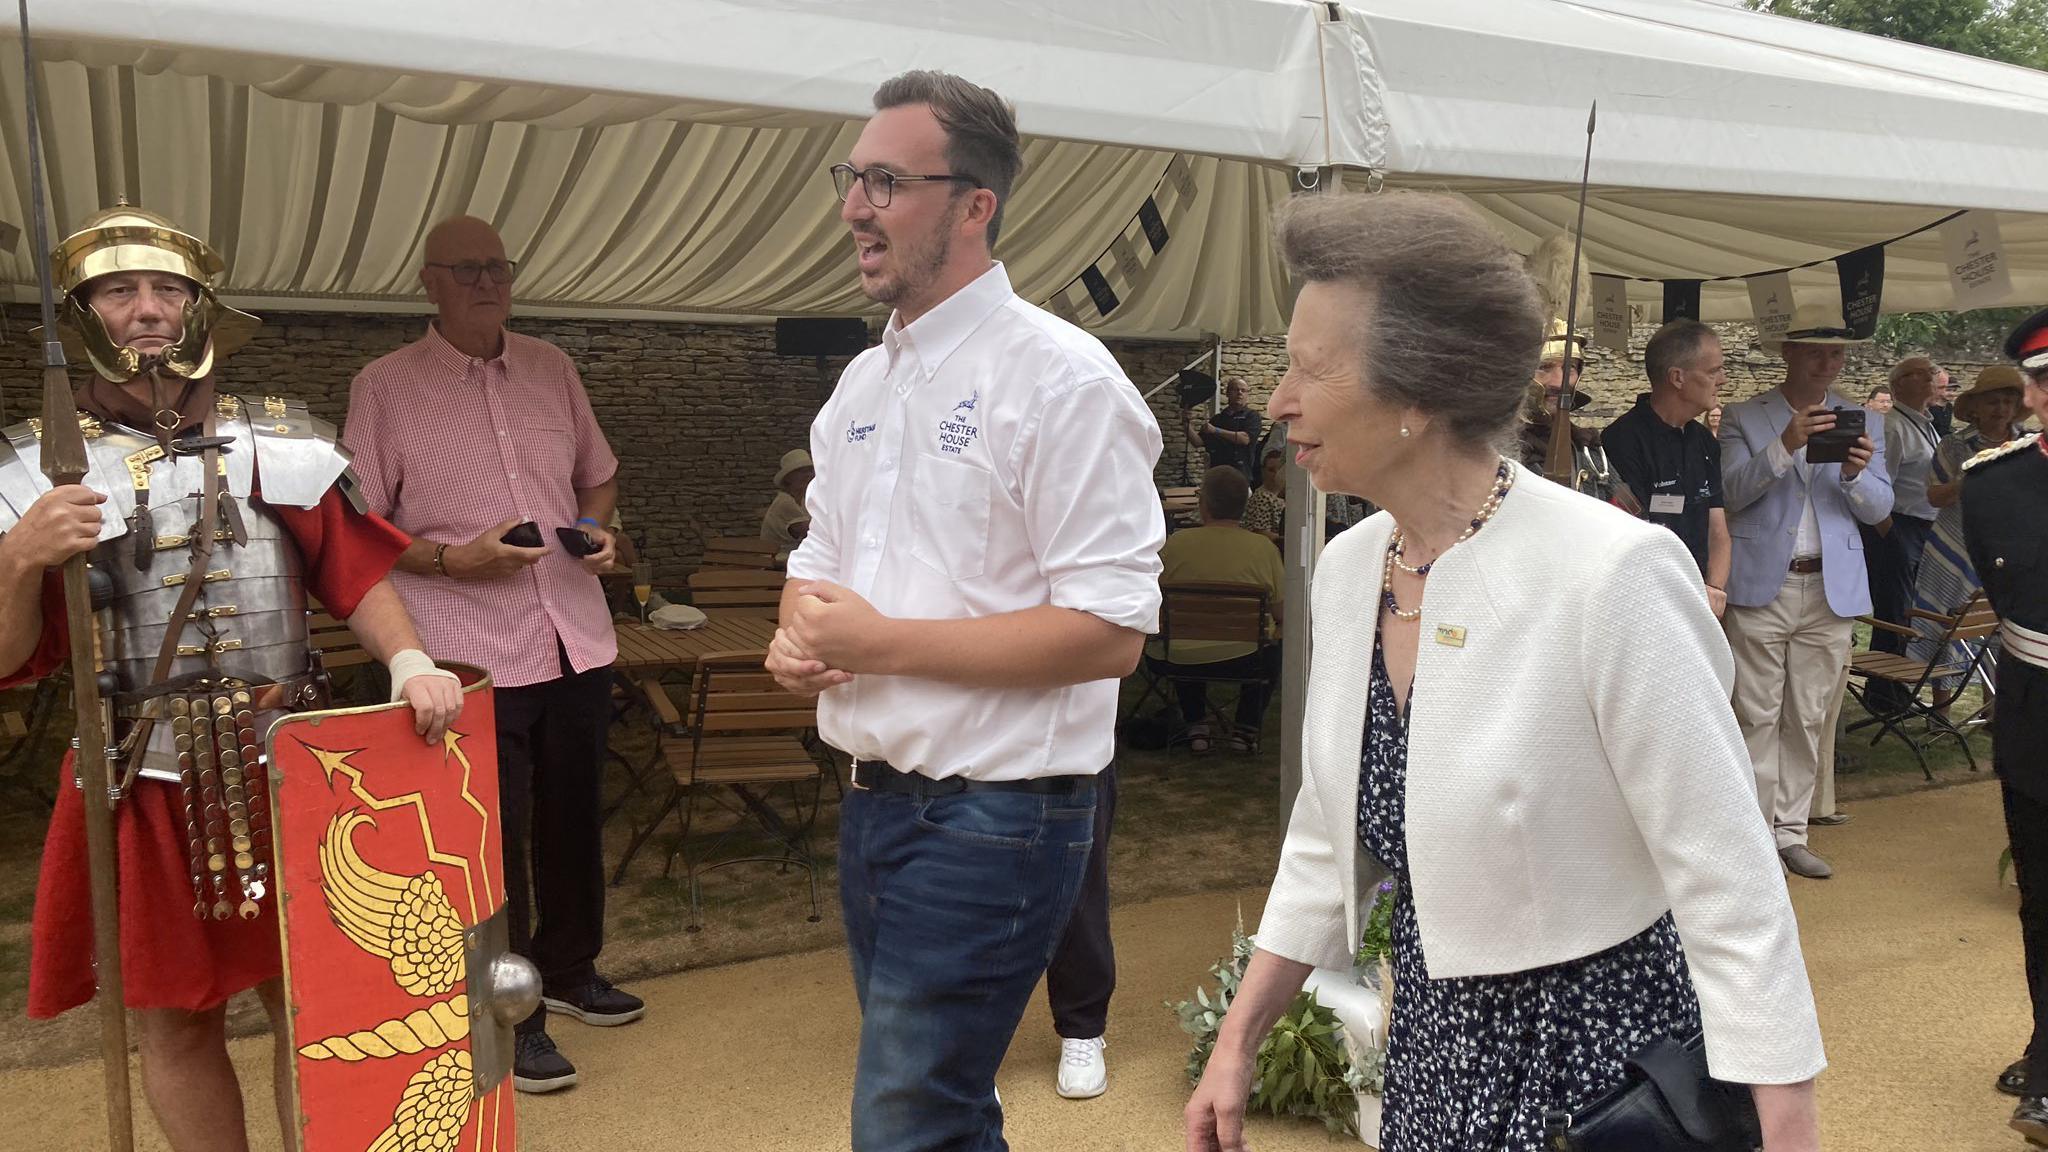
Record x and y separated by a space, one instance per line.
821 336
1196 388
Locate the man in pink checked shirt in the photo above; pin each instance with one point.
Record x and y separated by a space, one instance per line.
459 437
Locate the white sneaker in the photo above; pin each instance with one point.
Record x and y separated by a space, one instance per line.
1083 1074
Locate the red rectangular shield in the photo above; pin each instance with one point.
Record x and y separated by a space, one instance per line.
391 879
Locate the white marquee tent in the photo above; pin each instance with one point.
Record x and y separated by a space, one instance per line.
665 158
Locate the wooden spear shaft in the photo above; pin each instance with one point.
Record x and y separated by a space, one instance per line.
64 462
1560 462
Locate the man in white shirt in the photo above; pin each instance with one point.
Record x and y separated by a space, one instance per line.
981 569
1797 579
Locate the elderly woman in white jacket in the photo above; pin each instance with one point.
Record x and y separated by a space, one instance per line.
1518 708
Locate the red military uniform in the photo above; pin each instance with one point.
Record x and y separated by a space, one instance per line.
171 959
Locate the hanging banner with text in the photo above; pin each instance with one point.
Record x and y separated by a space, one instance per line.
1862 276
1770 300
1977 267
1610 312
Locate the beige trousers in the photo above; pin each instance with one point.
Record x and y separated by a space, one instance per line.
1824 794
1789 656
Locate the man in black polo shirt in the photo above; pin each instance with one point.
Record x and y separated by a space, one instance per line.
1231 437
1669 459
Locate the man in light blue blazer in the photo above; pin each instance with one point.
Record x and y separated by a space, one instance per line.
1798 579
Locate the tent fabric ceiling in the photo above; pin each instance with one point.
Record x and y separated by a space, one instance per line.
699 190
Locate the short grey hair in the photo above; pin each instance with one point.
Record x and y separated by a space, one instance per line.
1454 322
1675 345
1910 365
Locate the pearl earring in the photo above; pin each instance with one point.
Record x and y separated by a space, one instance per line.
1404 429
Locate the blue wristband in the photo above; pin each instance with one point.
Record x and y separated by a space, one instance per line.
590 520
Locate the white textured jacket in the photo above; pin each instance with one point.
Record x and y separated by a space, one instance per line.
1574 770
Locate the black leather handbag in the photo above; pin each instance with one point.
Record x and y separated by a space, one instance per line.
1668 1103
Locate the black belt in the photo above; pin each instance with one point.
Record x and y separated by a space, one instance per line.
881 776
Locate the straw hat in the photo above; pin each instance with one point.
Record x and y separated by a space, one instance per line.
792 460
1991 379
1817 322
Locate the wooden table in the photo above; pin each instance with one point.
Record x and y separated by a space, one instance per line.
644 649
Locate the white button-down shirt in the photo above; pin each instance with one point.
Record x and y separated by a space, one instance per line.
986 458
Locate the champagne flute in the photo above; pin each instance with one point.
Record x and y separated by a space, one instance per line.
643 586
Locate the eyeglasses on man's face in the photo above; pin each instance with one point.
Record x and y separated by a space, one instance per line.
468 272
879 184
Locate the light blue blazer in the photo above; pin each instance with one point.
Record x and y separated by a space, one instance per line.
1766 494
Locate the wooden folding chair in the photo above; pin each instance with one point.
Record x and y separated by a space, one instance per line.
734 588
1923 689
744 552
27 713
1208 611
742 737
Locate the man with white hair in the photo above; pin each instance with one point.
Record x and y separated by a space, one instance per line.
1892 547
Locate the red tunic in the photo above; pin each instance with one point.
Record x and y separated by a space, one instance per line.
169 958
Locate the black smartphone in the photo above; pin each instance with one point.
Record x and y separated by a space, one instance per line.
575 543
1832 446
525 535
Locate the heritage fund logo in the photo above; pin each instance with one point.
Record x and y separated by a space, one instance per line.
857 433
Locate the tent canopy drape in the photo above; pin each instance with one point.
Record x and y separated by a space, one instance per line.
665 158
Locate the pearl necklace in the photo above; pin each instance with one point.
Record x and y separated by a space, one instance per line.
1504 479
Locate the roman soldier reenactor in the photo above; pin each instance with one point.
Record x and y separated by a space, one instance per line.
210 521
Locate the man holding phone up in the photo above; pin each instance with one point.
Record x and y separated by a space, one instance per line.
1801 467
480 444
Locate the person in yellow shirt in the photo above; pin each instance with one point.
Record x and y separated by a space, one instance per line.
1223 551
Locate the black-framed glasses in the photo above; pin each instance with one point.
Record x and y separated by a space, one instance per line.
879 184
468 272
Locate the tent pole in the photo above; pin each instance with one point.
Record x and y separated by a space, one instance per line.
1303 544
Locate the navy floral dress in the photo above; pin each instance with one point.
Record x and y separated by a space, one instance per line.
1474 1062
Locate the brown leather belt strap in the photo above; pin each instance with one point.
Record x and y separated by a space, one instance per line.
195 579
1807 566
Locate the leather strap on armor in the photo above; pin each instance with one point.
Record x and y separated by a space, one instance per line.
202 551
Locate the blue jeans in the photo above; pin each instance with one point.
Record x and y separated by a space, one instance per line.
953 906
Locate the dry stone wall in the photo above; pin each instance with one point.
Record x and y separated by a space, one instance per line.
700 413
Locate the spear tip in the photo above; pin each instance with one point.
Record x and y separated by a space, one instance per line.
1592 117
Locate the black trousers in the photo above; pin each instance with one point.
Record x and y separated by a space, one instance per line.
1082 975
550 781
1893 563
2026 823
1252 695
2019 751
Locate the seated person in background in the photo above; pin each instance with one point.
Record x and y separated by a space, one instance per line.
1266 511
1221 551
786 520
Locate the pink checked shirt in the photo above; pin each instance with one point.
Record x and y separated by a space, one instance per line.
448 446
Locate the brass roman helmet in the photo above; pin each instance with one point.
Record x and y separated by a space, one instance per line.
125 238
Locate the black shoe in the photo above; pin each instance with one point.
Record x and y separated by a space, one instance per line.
538 1067
2013 1081
597 1002
2030 1119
